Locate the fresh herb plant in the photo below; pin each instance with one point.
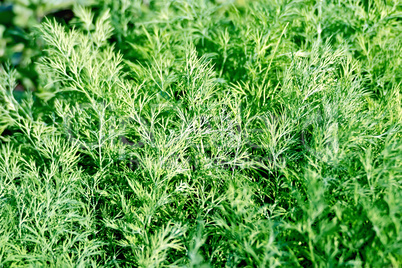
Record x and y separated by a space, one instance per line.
207 134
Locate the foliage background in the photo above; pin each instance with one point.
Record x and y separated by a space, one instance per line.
200 133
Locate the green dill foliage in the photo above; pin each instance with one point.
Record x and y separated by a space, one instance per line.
206 134
19 44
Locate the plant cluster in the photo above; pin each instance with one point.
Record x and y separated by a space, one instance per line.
206 133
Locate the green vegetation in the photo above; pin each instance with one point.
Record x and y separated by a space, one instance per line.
203 133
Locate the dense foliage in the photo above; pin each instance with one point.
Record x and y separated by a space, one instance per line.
202 133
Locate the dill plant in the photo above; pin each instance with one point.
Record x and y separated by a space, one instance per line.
207 134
